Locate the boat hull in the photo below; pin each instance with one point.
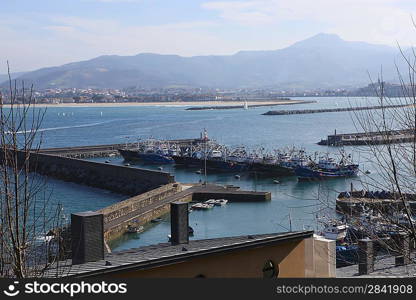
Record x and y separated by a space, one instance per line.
219 165
150 158
272 169
308 174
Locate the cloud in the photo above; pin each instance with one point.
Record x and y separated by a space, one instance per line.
65 39
115 1
379 21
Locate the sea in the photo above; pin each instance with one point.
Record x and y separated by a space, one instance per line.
294 205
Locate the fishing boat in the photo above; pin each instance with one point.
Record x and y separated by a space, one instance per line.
134 229
325 169
346 255
150 151
202 206
150 156
335 231
217 202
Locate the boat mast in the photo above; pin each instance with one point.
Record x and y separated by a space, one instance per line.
205 155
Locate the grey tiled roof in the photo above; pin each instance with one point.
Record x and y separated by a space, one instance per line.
160 254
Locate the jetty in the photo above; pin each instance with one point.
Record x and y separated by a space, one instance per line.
355 202
279 102
369 138
92 151
325 110
142 209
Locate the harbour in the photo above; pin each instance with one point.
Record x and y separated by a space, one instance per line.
288 193
288 190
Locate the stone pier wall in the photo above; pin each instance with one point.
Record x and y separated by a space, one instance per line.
119 179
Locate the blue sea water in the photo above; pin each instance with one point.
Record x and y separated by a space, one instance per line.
294 203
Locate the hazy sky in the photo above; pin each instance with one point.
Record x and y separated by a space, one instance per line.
39 33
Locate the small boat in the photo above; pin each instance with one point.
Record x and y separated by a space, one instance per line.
127 165
237 176
198 172
107 161
190 231
157 220
134 229
245 105
217 202
276 181
346 255
202 206
221 202
160 168
334 231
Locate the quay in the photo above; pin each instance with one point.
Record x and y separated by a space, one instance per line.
357 201
105 150
369 138
141 209
325 110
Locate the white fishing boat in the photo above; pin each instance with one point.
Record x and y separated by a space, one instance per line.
135 229
221 202
202 206
334 231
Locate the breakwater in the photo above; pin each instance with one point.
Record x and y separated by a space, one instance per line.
325 110
289 102
356 202
106 150
369 138
119 179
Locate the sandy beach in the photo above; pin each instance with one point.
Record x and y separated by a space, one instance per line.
194 103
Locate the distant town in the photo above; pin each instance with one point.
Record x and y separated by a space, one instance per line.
141 95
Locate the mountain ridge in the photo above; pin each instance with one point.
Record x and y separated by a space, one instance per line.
321 61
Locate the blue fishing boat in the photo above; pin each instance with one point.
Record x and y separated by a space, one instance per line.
150 157
346 255
325 169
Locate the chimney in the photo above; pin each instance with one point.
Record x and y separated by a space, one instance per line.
87 237
179 223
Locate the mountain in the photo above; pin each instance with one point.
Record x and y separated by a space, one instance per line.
5 77
324 60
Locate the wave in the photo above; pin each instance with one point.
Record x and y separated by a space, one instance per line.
65 127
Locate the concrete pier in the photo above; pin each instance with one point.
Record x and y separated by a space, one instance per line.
326 110
141 209
105 150
369 138
119 179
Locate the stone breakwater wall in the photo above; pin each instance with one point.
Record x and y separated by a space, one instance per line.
123 209
325 110
119 179
141 209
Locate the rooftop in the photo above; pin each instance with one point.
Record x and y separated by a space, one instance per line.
165 253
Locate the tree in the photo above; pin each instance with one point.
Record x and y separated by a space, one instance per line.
30 225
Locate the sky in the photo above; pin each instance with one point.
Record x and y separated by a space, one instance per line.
43 33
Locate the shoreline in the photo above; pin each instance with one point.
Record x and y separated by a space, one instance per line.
175 104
